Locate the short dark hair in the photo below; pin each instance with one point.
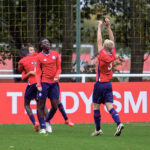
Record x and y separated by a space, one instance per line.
44 44
31 45
23 51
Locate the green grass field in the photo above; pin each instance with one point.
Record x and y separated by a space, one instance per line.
135 136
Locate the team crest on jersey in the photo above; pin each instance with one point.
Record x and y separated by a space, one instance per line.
53 57
45 59
33 63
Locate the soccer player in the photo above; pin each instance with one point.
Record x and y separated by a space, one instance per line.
47 76
102 93
27 66
60 105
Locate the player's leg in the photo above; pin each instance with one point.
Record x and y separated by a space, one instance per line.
42 95
115 117
96 109
40 108
29 111
30 94
63 112
113 112
109 105
54 106
97 120
45 111
53 95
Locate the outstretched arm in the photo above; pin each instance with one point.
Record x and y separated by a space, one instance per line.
110 33
99 36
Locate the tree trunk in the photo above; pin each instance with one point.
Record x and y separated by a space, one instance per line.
137 51
41 15
31 36
31 22
67 44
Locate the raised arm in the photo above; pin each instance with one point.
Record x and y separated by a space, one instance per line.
99 36
110 33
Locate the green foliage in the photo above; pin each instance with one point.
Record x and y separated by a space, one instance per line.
49 22
122 26
25 21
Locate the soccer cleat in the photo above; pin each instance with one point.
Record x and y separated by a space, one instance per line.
68 122
119 129
36 127
96 133
42 131
48 127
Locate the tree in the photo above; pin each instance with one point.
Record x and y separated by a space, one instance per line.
20 23
131 26
27 21
68 37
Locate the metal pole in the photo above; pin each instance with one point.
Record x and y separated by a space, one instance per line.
78 18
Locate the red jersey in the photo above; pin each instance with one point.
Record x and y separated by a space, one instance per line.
104 67
48 67
26 65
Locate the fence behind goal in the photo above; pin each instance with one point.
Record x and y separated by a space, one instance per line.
24 21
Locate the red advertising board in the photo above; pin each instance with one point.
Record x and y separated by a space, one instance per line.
131 100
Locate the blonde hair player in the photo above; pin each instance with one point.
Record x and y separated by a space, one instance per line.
102 93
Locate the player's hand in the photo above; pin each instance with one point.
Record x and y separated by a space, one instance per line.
100 23
56 78
39 88
32 72
107 22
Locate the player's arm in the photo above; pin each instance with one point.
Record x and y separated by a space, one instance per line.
26 75
110 33
38 74
20 66
58 65
99 36
111 36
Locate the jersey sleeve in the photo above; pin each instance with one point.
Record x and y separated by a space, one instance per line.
24 75
38 72
58 65
20 66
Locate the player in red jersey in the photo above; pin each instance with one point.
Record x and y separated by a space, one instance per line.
102 93
27 66
47 76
